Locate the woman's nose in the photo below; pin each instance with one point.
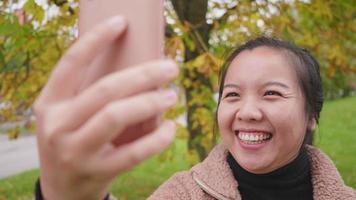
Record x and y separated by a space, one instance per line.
249 111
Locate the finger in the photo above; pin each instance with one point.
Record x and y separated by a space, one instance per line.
67 76
109 122
131 154
137 131
115 86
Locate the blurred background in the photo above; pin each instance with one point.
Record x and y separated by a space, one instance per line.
199 35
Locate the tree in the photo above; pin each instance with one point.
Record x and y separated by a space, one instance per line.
198 69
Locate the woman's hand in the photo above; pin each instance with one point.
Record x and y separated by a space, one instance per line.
87 137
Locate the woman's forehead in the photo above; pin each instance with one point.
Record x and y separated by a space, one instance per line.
264 53
261 64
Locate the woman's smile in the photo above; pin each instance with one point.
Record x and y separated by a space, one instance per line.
252 139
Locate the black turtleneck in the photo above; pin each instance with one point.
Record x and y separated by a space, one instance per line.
292 181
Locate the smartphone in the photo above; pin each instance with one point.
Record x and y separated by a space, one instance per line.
142 41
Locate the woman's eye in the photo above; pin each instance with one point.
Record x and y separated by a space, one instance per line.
232 94
272 93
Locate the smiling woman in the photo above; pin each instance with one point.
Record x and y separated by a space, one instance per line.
270 99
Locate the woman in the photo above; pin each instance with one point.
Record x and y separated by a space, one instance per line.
270 99
269 104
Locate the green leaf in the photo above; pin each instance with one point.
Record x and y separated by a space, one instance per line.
31 7
9 29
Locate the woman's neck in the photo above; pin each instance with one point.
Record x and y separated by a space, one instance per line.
291 179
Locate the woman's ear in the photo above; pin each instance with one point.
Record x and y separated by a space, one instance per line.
312 124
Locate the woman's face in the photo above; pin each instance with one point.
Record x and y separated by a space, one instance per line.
262 115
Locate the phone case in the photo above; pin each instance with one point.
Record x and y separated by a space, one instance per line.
142 41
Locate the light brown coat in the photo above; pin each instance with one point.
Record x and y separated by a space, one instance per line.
213 179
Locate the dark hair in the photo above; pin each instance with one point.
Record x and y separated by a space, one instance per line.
307 70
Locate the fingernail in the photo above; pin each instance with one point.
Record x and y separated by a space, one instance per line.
170 68
169 97
117 22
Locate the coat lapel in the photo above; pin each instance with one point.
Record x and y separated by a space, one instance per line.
215 173
326 180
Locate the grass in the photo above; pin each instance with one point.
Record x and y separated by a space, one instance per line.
19 187
138 183
336 136
144 179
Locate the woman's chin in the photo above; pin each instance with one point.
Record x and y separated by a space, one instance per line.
254 168
256 163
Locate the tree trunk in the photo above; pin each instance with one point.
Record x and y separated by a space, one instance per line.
193 14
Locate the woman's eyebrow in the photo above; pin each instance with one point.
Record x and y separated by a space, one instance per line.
231 85
276 83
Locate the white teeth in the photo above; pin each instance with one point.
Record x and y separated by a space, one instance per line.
245 137
249 137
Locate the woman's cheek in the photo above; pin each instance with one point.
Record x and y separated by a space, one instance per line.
225 116
278 112
225 121
286 121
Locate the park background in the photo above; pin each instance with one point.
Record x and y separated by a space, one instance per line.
199 35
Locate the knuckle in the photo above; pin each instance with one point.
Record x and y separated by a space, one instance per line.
134 158
110 115
65 151
97 31
49 127
105 90
69 58
92 37
67 159
38 108
161 100
166 140
149 76
61 151
50 137
146 106
155 102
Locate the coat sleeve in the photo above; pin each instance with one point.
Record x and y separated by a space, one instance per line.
178 187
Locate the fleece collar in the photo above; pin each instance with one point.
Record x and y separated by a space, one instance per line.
326 180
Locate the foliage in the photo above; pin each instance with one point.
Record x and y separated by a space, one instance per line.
30 45
327 29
